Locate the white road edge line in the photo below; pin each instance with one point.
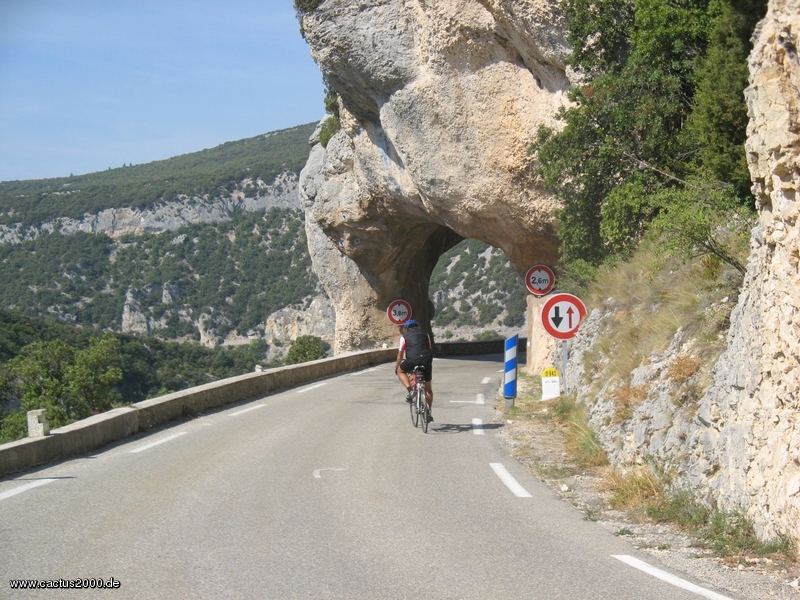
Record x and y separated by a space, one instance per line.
241 412
24 488
486 380
511 483
161 441
477 427
313 387
668 577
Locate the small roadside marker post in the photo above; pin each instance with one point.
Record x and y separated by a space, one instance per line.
510 377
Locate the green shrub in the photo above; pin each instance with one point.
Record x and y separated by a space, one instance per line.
306 6
329 128
304 349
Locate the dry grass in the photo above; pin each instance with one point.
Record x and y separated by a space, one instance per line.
626 399
651 300
683 367
633 490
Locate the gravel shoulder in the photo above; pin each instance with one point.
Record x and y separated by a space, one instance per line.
540 446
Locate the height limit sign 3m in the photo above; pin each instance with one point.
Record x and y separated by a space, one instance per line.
539 280
562 315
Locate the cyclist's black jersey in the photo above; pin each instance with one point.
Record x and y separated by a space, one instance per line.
417 345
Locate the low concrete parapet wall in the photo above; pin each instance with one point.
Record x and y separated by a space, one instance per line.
476 348
87 435
97 431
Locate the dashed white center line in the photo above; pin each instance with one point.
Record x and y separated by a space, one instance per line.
479 400
241 412
157 442
365 371
669 577
477 426
24 488
313 387
511 483
486 380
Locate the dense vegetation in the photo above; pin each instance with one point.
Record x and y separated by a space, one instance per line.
211 173
236 273
655 137
73 372
474 284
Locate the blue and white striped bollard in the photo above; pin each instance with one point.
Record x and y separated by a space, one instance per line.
510 377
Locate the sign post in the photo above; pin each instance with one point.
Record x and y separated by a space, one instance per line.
562 315
398 312
510 377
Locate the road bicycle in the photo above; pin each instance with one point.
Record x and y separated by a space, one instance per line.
419 400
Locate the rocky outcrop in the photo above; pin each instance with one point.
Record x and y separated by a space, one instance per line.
748 446
287 324
439 102
168 216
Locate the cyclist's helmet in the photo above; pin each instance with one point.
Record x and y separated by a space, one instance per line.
410 323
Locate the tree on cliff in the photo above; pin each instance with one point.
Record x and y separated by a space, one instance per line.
658 123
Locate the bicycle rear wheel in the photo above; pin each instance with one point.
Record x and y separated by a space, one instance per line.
425 411
414 407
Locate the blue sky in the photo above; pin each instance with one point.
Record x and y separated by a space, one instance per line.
86 85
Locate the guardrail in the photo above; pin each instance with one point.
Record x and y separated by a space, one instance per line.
92 433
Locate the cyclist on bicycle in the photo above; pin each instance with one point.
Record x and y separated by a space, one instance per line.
415 349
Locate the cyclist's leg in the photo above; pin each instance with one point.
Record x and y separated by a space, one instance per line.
428 380
403 377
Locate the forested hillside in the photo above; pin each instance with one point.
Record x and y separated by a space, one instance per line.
235 273
474 287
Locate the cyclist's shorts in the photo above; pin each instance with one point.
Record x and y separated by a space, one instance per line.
408 366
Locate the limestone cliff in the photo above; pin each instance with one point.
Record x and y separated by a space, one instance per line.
439 103
750 448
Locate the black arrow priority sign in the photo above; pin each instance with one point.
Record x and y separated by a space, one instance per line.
562 315
556 318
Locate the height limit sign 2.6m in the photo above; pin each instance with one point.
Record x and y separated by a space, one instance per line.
539 280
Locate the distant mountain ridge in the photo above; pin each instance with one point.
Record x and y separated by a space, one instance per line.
211 173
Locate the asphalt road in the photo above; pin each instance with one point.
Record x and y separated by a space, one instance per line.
322 491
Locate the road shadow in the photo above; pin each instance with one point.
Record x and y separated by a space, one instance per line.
460 428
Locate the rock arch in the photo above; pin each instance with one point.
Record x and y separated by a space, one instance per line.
439 102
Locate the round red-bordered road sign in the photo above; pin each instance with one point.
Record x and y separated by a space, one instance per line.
399 312
562 315
539 280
